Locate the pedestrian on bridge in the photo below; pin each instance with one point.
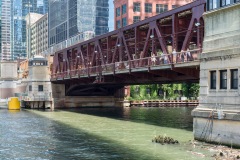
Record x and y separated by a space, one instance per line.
189 55
183 56
153 59
174 55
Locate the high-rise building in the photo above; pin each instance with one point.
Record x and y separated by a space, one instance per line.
20 9
13 26
18 47
37 34
68 18
6 27
0 25
131 11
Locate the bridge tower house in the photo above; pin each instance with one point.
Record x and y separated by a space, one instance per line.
217 117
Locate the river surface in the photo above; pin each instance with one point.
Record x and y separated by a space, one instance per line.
97 134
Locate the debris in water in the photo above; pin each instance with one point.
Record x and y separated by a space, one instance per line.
164 139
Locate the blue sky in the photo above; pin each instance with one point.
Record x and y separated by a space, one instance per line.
111 16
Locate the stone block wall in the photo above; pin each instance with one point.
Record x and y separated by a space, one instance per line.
221 51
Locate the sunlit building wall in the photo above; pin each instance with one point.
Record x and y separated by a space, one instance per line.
127 12
37 34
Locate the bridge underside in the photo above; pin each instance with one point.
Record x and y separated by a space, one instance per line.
92 90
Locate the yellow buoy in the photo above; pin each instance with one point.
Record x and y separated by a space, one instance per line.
14 104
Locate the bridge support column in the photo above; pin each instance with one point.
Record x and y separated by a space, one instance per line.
58 96
217 117
120 96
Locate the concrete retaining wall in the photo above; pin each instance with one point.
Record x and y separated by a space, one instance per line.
218 131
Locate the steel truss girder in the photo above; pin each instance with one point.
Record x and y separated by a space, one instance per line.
116 46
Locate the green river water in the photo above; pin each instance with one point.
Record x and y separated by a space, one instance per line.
98 134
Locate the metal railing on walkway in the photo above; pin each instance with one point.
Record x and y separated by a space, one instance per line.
129 66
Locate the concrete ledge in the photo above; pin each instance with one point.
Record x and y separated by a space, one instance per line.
216 54
207 113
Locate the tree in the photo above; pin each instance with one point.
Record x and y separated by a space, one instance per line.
141 92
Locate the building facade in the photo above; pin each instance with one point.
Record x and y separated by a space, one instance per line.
34 76
0 26
6 27
131 11
219 100
37 34
69 18
9 84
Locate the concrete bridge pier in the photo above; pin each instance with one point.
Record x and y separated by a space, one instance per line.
217 118
62 100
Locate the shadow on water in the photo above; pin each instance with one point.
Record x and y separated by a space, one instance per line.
174 117
25 135
77 144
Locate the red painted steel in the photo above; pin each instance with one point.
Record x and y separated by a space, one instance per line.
147 43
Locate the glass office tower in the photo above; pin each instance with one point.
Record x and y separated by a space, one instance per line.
20 9
18 47
68 18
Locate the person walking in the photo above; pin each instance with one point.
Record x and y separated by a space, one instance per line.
174 54
153 59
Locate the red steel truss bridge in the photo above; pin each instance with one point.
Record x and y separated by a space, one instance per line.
162 49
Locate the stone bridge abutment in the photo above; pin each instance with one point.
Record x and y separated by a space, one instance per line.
83 96
217 117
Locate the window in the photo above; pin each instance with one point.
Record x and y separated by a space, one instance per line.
211 4
124 22
225 2
148 7
136 7
213 80
234 79
118 24
161 8
124 9
30 88
223 79
136 19
40 87
117 11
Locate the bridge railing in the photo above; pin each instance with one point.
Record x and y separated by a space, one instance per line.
186 56
112 68
108 68
44 97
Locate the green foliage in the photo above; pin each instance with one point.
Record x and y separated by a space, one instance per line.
194 90
150 92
